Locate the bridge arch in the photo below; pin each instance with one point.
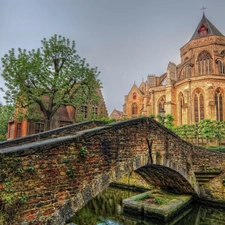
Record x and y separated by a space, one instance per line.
166 178
63 180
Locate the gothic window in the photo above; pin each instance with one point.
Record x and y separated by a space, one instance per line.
198 105
134 96
161 103
204 63
221 67
134 109
219 104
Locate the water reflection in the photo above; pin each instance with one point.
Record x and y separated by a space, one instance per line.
106 209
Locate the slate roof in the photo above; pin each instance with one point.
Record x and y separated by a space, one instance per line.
212 30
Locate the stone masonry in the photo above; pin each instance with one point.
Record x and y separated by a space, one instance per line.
47 181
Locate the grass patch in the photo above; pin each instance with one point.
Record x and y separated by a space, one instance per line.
141 197
160 201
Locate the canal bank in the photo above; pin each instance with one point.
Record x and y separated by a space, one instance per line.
107 208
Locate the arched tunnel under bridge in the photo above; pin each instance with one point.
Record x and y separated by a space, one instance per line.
166 179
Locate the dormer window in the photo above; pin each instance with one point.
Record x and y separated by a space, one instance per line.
203 30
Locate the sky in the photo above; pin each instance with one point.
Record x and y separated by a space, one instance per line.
126 39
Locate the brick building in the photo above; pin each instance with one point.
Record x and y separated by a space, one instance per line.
191 91
66 115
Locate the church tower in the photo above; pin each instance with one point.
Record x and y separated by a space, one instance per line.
194 89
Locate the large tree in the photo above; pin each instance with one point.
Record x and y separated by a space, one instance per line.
48 78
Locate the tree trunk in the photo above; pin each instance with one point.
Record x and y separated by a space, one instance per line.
47 124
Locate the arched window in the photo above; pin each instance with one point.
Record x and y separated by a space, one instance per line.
219 104
134 109
198 105
223 53
185 72
204 63
161 103
221 67
134 96
181 103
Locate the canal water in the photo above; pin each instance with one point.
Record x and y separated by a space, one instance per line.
106 209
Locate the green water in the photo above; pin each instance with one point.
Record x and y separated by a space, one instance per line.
106 209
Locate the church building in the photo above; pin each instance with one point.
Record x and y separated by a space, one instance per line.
191 91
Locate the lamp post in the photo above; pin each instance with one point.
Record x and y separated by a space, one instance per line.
163 115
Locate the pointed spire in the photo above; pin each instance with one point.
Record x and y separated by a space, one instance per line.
205 28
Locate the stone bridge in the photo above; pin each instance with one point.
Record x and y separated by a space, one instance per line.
45 178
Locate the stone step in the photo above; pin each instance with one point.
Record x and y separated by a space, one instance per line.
205 176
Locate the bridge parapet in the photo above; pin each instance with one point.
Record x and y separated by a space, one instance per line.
58 132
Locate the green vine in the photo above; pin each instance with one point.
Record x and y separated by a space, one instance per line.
23 198
223 181
70 172
30 169
83 151
19 171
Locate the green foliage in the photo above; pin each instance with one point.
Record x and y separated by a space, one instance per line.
205 129
47 78
6 113
160 201
223 181
23 198
107 120
8 187
151 116
19 170
83 151
70 172
141 197
30 169
168 120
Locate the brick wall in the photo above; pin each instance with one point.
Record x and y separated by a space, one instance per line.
46 181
